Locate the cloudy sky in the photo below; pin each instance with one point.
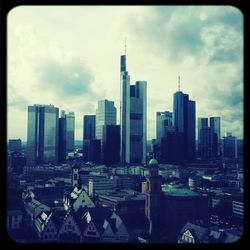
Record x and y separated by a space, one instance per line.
69 57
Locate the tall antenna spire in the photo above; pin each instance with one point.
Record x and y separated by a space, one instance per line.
179 83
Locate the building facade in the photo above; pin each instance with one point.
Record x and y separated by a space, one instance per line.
229 144
184 122
42 135
124 111
138 118
111 144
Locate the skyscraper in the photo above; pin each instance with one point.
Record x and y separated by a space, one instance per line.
184 122
125 112
70 130
111 144
138 118
164 124
229 144
42 135
215 125
89 127
105 115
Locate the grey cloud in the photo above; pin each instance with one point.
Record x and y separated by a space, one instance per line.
67 80
177 31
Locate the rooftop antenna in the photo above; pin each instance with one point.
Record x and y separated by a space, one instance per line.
179 83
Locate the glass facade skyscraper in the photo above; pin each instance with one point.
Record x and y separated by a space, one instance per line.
125 112
89 127
215 124
42 135
105 115
184 122
138 118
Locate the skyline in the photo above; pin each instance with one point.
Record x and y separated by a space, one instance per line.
51 60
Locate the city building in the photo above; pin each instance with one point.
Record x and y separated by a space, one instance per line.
229 146
215 124
111 144
94 151
105 115
15 145
42 135
138 118
125 111
184 122
164 124
89 126
70 130
133 118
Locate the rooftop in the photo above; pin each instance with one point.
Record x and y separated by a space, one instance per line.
173 191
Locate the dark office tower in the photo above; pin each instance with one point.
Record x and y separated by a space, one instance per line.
111 144
229 146
70 130
206 143
172 148
89 127
202 123
62 140
164 124
42 135
95 151
184 122
125 112
215 125
138 118
15 145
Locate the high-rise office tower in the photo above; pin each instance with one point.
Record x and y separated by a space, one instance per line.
125 112
66 134
164 124
229 146
105 115
138 118
111 144
42 135
70 130
184 122
62 140
215 125
89 127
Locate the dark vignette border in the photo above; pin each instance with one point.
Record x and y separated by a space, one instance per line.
6 6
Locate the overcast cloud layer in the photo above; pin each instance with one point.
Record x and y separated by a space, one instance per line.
69 57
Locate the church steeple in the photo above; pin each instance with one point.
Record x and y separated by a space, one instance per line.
153 198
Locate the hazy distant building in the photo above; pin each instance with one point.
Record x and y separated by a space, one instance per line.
111 144
42 135
138 118
184 122
62 140
15 145
125 111
229 144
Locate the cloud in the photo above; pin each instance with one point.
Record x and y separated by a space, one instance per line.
66 80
